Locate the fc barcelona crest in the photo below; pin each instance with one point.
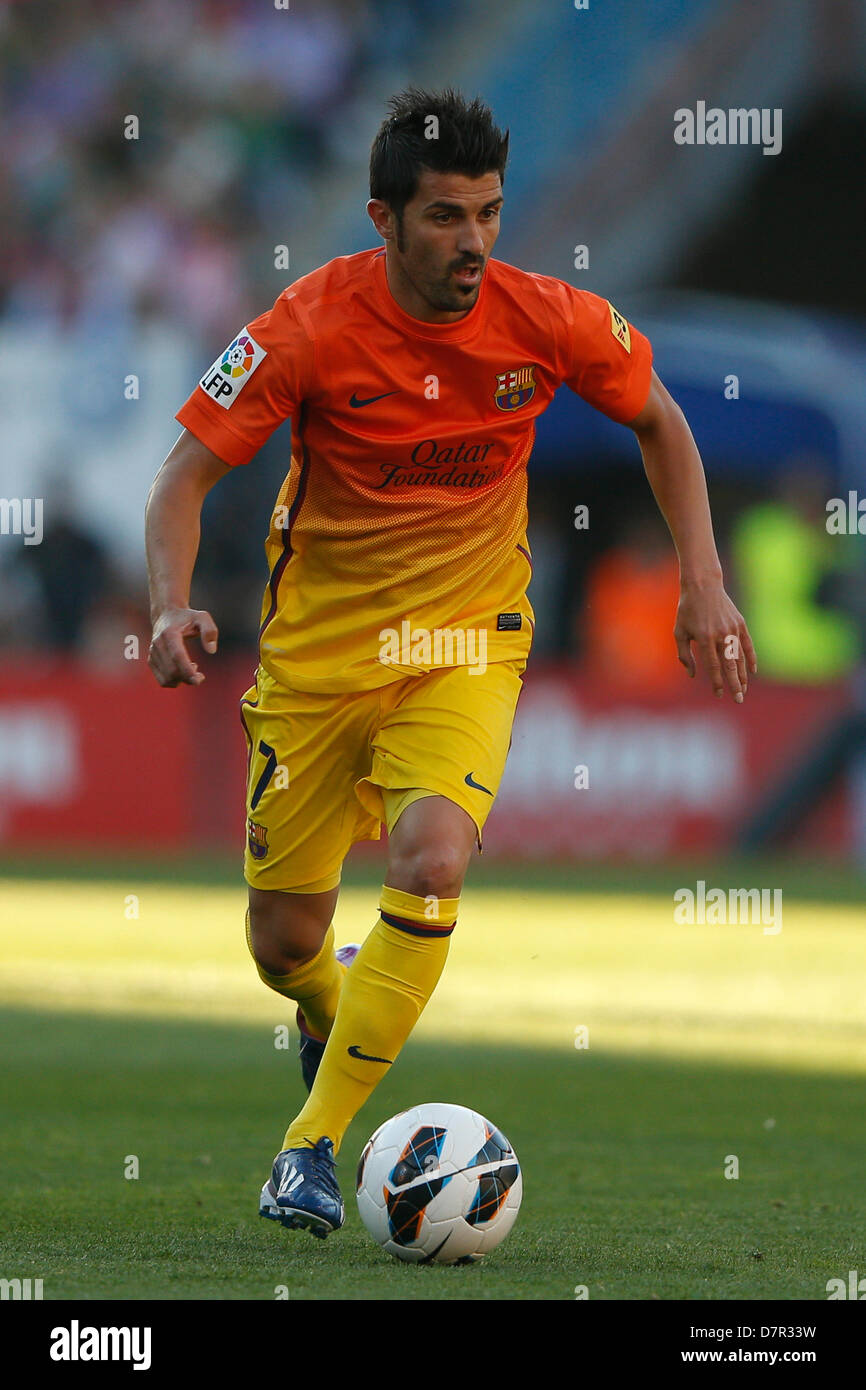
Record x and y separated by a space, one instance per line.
514 388
257 836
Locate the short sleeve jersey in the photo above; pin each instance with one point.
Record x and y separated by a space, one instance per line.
403 512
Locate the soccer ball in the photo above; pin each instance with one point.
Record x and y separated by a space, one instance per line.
438 1184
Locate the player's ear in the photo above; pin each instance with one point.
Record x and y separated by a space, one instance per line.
382 218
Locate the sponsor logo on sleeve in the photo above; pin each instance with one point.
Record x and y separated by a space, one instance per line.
619 328
230 373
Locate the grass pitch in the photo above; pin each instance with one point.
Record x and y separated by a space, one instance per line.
151 1036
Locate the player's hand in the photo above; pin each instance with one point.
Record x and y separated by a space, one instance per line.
707 617
168 657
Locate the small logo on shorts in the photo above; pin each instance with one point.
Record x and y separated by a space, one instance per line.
257 836
470 782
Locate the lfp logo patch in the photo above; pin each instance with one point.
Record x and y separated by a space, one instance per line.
230 373
514 388
239 357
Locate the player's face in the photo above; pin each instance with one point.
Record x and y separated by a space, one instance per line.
437 256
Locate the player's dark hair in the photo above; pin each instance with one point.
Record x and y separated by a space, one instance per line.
464 139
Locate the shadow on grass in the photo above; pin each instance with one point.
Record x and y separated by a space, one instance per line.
623 1156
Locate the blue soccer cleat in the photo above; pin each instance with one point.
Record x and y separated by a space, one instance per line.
311 1048
302 1191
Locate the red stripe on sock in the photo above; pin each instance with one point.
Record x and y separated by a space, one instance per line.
415 928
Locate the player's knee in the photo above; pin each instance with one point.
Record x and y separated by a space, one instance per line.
435 870
283 934
276 952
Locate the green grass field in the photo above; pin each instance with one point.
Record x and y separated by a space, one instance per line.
153 1037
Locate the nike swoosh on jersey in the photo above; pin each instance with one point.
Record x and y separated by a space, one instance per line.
355 1051
470 782
355 403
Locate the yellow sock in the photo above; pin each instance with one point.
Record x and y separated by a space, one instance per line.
384 993
315 985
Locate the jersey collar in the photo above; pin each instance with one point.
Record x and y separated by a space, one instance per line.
455 332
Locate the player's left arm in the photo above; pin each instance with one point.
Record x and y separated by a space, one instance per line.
706 615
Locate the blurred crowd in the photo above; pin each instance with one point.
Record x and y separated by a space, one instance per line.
608 597
239 112
605 599
153 155
239 106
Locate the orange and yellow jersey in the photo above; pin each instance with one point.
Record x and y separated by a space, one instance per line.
404 509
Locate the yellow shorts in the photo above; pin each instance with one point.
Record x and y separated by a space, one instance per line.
318 765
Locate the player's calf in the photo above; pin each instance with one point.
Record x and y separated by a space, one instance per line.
279 937
311 1047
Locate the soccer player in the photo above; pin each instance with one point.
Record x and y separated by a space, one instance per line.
395 623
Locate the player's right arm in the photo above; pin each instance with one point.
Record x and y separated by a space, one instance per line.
172 533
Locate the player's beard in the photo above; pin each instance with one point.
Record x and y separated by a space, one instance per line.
454 300
442 293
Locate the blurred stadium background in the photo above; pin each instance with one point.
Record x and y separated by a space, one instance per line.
136 260
139 258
